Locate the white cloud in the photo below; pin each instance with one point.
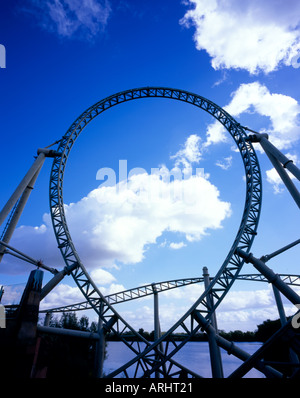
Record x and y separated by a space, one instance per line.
177 246
116 224
102 277
225 164
63 294
240 309
215 133
253 35
245 309
72 18
189 154
246 300
282 111
12 293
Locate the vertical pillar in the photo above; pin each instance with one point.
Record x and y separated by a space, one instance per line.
100 347
156 314
283 320
21 187
279 305
47 319
215 354
2 317
157 331
17 212
27 325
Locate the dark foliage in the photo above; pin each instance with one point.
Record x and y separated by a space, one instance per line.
65 356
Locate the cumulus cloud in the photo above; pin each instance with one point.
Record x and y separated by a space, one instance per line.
63 294
176 246
240 309
253 35
117 224
71 18
101 276
246 309
189 154
282 111
225 164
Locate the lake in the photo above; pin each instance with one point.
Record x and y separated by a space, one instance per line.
194 355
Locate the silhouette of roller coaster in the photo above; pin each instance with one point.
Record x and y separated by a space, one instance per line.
156 358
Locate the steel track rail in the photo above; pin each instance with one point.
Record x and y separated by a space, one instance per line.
129 294
147 290
232 265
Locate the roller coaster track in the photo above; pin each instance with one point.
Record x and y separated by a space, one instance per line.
150 289
157 358
147 358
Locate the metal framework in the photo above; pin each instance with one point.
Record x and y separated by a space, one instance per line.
156 359
150 289
151 358
128 295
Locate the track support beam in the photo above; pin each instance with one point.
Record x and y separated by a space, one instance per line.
214 349
273 278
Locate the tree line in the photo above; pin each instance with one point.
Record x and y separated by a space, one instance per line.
72 357
264 331
67 356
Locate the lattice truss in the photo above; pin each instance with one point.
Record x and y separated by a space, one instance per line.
156 358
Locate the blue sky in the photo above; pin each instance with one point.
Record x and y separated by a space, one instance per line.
62 56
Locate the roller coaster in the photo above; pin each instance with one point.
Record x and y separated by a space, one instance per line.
156 358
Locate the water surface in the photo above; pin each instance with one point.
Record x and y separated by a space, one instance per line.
193 355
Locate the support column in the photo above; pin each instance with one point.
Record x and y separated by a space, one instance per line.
21 187
1 292
268 257
100 347
231 348
280 163
293 356
285 178
157 331
287 163
156 314
279 305
26 325
47 319
56 279
11 226
22 193
214 349
273 278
